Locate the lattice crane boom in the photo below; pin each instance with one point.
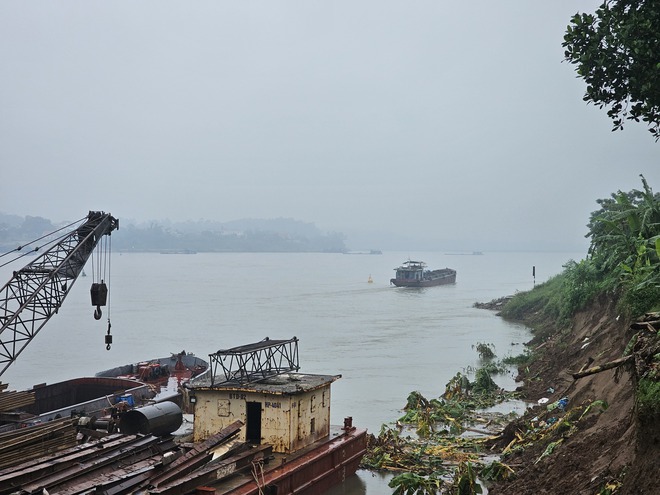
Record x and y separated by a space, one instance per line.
36 292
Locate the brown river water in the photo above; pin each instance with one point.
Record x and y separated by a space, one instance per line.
385 342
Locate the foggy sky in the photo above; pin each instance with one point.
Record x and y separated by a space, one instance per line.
432 122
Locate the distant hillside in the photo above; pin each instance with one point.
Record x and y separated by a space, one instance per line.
248 235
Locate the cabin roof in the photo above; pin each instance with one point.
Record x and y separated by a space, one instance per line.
411 265
284 384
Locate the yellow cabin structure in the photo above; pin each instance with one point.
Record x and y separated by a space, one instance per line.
259 384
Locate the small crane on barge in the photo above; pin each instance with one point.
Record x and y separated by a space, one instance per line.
36 292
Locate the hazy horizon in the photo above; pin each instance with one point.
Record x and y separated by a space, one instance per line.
431 123
360 241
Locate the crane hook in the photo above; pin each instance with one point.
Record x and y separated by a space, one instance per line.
99 293
108 337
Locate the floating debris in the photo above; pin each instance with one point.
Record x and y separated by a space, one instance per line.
441 444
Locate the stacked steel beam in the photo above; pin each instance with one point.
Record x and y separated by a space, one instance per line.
121 464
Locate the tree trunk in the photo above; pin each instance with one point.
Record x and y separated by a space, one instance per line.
607 366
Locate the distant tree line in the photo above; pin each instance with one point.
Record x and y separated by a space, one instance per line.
251 235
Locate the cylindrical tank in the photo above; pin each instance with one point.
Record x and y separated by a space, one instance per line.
157 419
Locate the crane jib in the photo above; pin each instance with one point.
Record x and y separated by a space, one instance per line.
37 291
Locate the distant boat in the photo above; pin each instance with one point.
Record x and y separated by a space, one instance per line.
180 365
371 251
414 274
371 280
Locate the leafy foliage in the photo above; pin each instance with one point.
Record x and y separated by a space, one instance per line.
623 261
520 360
648 397
625 242
483 383
457 404
496 471
616 51
485 351
414 484
440 451
466 483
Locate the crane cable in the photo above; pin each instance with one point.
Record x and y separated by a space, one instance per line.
108 336
101 272
37 248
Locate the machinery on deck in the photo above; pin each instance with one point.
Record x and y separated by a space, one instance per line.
36 292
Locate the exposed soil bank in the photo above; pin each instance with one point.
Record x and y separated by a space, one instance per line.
580 449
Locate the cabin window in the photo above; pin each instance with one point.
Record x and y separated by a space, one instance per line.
312 426
312 403
323 399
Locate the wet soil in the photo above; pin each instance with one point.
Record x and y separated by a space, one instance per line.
611 449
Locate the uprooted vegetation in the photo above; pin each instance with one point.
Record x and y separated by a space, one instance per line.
439 444
593 426
456 443
591 375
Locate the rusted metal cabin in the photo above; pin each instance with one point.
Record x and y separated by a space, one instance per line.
259 384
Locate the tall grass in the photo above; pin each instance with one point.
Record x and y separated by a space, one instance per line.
558 299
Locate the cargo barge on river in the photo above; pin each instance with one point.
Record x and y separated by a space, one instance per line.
414 274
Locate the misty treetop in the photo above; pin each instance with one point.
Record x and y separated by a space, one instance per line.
250 235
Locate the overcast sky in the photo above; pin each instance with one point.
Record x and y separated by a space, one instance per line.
448 121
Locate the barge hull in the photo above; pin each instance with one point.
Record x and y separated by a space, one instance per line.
423 283
314 471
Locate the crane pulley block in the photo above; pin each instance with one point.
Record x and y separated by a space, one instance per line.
99 293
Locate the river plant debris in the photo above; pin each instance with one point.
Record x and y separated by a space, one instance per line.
441 444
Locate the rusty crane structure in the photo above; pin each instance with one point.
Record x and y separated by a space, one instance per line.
35 292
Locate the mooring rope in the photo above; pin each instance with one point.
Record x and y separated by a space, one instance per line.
255 474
